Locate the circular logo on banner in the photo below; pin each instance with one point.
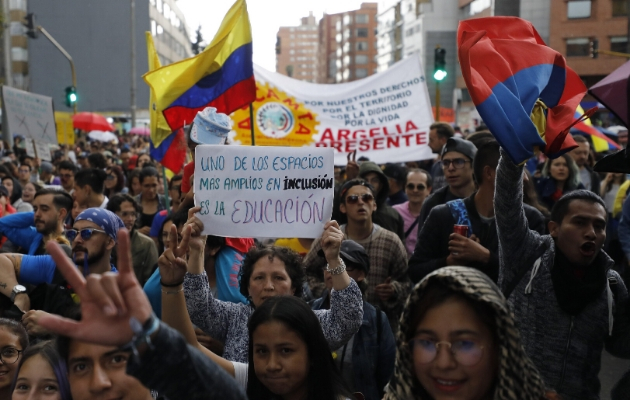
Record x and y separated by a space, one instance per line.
279 120
275 120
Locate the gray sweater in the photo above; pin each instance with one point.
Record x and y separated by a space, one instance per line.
566 349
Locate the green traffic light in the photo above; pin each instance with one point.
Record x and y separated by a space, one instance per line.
439 75
72 97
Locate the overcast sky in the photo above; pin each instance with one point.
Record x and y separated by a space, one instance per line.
266 16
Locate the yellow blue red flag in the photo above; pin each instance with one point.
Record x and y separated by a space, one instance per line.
221 76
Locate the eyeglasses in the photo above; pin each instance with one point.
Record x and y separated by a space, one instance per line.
9 355
86 233
111 177
419 186
354 198
466 352
127 214
458 163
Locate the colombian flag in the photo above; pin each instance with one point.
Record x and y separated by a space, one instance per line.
600 141
171 151
221 76
523 90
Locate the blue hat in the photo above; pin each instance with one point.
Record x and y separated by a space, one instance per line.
106 219
210 127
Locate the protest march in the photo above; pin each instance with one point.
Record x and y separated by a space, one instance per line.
273 238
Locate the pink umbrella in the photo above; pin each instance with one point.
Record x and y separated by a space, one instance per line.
138 130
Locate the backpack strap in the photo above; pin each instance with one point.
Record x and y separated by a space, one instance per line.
460 214
412 226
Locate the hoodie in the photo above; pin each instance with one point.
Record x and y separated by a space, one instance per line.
385 216
517 378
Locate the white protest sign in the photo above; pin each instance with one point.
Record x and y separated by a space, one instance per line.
264 191
30 115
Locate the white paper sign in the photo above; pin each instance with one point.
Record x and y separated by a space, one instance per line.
264 191
30 115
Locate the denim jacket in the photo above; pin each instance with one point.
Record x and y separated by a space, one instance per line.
373 362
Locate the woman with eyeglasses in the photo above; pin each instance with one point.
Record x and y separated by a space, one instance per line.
41 374
417 188
13 341
458 340
115 181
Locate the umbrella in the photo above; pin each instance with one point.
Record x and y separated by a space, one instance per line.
102 136
88 121
142 131
613 91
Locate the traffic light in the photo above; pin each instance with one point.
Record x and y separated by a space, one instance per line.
594 48
439 72
71 96
31 26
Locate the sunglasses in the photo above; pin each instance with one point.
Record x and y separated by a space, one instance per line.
86 233
354 199
458 163
419 186
111 177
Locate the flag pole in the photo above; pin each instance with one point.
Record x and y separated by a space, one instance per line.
251 122
167 200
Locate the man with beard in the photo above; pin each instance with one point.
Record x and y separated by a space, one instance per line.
93 239
31 230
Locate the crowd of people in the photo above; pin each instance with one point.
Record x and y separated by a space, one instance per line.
463 277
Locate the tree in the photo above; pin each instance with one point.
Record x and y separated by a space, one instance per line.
198 45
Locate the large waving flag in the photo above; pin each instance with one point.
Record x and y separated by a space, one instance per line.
523 90
221 76
167 147
600 141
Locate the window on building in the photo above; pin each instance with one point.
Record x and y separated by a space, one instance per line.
153 28
291 51
360 59
158 5
360 73
362 32
620 8
578 47
579 9
361 18
19 54
347 19
619 43
17 5
167 10
152 2
362 46
159 29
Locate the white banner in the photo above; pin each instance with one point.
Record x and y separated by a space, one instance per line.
30 115
385 117
264 191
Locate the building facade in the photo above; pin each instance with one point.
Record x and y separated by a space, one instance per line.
347 45
296 50
97 35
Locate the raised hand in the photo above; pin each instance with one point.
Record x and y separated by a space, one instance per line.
197 241
172 262
108 301
331 241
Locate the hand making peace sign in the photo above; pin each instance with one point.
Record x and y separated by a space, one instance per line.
108 301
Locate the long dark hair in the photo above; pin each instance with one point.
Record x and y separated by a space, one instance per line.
120 183
49 353
324 380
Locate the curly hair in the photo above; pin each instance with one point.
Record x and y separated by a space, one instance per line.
292 262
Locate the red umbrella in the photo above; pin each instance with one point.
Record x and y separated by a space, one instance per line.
88 121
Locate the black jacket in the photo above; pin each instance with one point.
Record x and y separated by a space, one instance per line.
432 247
